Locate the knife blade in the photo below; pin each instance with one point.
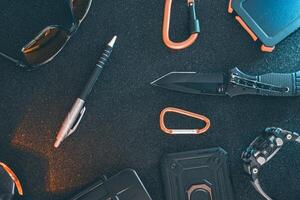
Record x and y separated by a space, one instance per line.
192 82
233 83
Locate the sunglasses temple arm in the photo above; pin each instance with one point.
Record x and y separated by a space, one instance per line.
9 58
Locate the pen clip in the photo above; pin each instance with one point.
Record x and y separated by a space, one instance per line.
73 129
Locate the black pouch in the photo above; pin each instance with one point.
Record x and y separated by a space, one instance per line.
126 185
197 175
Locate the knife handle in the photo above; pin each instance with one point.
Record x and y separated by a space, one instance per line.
287 80
271 84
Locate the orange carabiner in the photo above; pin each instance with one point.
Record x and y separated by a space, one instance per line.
183 131
194 26
13 177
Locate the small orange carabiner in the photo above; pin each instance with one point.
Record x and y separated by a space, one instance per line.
194 26
183 131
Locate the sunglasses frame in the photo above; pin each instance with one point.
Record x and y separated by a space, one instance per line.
70 32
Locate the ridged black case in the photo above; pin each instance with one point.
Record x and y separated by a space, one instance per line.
182 170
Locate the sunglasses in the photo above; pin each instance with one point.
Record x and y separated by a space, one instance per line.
9 183
51 40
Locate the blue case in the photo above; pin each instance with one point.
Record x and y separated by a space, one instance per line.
270 20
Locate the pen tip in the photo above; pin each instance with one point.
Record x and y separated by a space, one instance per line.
112 42
56 144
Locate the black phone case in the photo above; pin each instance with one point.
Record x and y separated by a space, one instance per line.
126 185
197 175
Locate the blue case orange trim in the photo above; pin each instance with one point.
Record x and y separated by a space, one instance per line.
267 20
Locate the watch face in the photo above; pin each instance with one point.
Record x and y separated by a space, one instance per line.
261 143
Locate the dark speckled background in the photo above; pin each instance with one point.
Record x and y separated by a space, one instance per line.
120 129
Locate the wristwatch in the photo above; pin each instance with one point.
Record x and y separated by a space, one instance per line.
262 150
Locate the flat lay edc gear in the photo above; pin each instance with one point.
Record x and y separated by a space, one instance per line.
197 175
76 113
262 150
126 185
194 26
9 183
232 84
183 131
51 40
267 20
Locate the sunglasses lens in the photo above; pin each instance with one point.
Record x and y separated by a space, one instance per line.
80 8
8 182
45 46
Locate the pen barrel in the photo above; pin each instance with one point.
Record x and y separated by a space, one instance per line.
69 122
96 73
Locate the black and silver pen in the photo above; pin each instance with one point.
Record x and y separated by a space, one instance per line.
75 115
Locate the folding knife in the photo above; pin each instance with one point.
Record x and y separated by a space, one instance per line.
232 84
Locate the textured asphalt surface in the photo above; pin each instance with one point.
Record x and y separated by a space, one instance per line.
121 127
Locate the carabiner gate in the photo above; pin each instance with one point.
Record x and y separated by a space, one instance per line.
194 26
